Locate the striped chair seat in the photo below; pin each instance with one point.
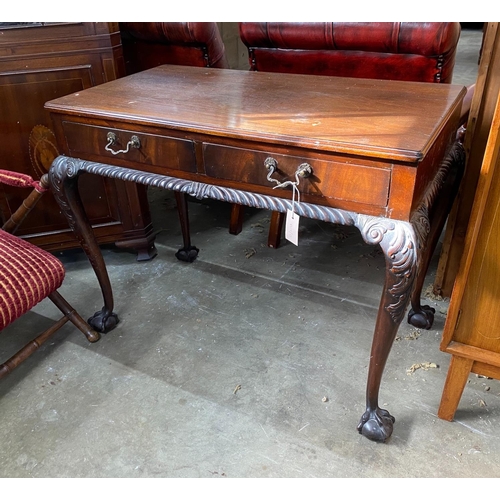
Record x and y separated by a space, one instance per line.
28 274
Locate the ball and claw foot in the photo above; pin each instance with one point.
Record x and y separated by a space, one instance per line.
187 254
422 318
376 425
103 321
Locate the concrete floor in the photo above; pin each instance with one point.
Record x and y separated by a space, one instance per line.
221 368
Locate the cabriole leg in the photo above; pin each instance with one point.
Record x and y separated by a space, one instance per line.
397 240
63 179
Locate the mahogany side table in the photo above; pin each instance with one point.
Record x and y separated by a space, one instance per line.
378 155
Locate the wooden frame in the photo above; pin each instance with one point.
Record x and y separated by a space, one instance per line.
472 333
482 109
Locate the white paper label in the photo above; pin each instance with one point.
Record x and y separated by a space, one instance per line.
292 227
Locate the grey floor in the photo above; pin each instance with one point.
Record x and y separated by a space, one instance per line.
248 363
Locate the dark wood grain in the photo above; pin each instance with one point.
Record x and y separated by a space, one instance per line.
397 120
39 63
396 126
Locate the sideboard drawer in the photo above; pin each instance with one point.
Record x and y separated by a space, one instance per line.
168 152
330 179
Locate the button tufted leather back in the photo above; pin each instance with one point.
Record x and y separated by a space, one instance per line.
146 45
423 52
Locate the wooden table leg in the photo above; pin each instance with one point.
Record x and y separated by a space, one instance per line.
63 179
275 229
403 244
236 221
188 252
398 242
437 205
407 248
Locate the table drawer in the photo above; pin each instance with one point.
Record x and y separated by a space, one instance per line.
331 179
163 151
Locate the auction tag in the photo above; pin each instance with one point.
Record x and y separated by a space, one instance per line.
292 227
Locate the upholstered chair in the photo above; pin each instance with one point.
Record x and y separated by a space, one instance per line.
29 274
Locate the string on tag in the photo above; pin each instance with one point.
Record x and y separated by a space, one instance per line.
292 217
295 189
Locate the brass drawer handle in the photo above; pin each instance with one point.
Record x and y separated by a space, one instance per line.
303 170
134 142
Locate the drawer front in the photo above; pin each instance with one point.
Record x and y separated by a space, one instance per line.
162 151
330 179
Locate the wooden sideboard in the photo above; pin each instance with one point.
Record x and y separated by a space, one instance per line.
472 329
40 62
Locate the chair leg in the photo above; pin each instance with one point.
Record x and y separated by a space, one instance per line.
275 229
28 204
74 317
30 348
69 315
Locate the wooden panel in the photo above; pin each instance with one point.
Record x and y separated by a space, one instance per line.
168 152
480 310
483 222
23 151
475 353
478 127
330 179
472 328
43 39
18 118
40 62
486 370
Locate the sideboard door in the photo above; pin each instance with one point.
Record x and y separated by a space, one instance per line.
40 62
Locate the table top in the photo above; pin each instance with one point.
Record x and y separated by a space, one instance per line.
376 118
